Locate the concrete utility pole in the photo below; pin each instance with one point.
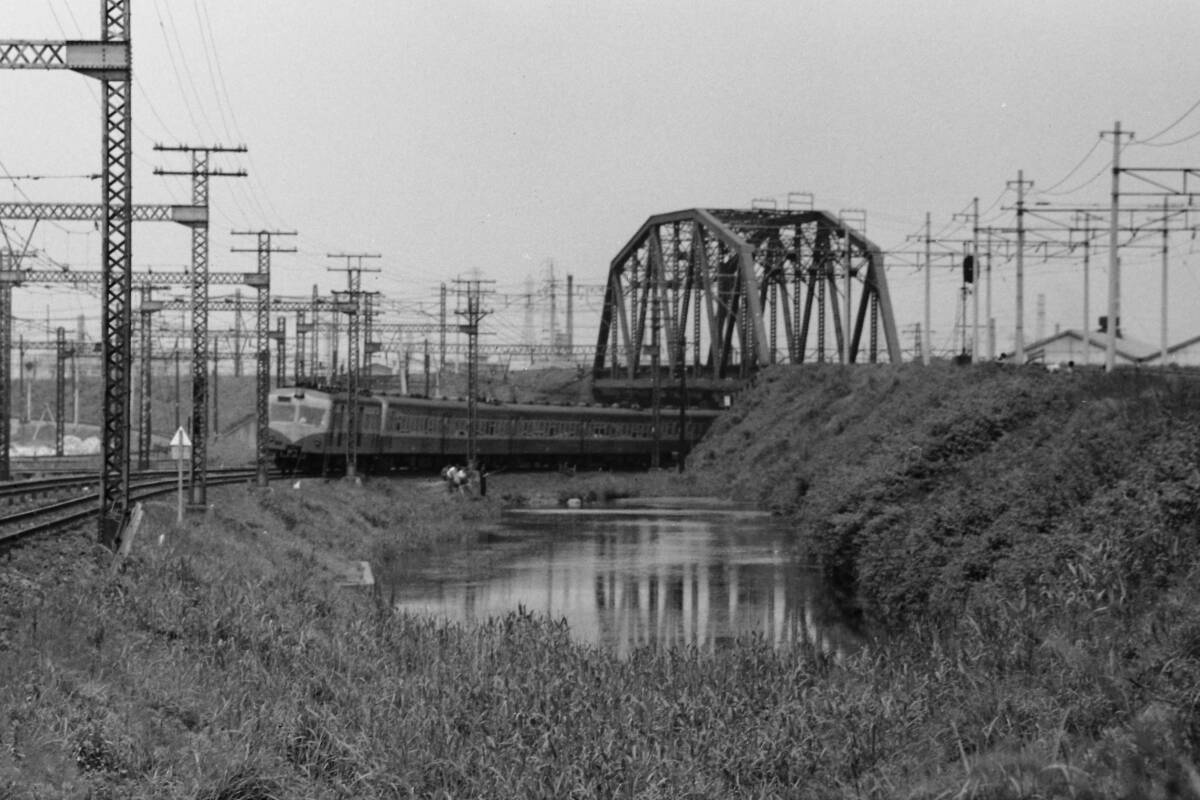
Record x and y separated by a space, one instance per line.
200 173
1087 295
1021 184
928 289
975 358
60 388
1114 260
1166 240
472 291
146 310
261 280
352 307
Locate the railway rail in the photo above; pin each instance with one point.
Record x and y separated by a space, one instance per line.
45 517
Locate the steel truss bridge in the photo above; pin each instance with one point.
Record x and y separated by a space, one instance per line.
700 299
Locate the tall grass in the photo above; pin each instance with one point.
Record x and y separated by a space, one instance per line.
1061 661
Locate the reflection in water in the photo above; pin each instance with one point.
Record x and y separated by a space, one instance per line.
626 580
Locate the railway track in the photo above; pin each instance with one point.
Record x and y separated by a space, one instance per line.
34 515
21 467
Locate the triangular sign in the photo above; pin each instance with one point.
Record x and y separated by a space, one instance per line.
180 439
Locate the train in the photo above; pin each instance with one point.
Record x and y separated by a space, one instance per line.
307 432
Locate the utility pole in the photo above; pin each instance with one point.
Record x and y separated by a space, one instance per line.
23 413
279 336
975 281
1021 184
200 174
238 325
261 280
928 287
302 329
146 309
442 336
991 328
1166 239
315 360
1087 294
60 389
216 377
353 308
1114 260
473 313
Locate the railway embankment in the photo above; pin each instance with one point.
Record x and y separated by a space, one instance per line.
1024 544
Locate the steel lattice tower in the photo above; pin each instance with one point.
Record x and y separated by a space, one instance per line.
200 173
353 308
261 280
109 61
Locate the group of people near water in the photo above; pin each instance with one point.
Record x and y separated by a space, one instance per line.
464 480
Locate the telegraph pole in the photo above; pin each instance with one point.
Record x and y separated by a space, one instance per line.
261 280
200 173
353 308
473 313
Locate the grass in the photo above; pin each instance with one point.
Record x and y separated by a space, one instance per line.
1062 661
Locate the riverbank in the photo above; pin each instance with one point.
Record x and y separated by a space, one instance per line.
231 662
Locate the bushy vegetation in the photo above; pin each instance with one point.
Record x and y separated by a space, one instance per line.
1023 544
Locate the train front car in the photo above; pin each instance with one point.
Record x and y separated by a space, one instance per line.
298 427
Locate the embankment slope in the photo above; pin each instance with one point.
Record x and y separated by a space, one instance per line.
929 491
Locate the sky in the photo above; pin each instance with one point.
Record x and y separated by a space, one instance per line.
512 140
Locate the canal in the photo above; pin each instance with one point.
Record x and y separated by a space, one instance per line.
628 577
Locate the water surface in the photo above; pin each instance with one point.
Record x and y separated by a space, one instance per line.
631 577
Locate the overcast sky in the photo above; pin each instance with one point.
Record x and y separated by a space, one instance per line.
452 137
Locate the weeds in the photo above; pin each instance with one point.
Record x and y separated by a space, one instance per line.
1039 569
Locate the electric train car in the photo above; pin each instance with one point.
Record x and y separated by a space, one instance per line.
308 432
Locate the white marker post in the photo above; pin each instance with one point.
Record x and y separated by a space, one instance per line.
181 449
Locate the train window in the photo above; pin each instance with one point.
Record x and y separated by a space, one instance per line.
311 415
283 411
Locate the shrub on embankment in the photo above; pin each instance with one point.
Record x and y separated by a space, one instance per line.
928 491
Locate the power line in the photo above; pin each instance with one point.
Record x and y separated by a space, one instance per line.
1180 119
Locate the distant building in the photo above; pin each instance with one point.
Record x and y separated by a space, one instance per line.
1073 346
1183 354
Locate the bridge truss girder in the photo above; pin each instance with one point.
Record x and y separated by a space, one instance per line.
739 290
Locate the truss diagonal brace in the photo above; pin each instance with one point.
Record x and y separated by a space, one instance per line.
105 60
94 212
